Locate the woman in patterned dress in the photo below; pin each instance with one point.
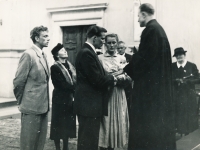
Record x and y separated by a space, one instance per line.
114 127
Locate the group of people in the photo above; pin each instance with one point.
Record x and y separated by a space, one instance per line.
99 90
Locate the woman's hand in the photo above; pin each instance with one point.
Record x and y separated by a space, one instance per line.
121 77
123 80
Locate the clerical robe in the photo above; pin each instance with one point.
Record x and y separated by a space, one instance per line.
152 108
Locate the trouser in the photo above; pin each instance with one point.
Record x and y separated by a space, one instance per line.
33 131
88 133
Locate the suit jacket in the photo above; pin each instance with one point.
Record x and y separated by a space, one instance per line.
92 84
128 57
31 83
189 68
128 88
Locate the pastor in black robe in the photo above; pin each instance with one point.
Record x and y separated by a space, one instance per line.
185 97
152 108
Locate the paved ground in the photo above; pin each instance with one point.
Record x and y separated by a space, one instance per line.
10 130
9 136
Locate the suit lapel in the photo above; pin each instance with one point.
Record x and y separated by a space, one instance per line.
95 55
42 60
102 69
47 66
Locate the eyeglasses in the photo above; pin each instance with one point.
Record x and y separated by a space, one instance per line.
111 43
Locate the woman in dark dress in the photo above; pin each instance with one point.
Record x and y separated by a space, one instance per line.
63 121
185 76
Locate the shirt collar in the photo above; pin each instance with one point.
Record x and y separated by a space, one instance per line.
183 65
91 46
106 54
122 54
151 21
38 48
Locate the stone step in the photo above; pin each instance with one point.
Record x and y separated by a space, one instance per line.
9 112
189 142
7 102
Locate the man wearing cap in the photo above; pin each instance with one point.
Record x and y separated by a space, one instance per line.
32 93
185 75
152 110
90 102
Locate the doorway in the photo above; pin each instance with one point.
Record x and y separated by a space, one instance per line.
73 39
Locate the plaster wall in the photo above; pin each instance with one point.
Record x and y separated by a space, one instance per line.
179 18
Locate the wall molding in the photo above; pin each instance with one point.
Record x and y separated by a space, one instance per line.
75 15
11 53
78 7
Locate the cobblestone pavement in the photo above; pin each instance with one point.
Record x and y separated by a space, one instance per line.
10 132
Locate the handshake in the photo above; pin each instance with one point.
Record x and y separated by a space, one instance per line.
121 78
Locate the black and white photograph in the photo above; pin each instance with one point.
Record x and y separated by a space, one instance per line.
99 75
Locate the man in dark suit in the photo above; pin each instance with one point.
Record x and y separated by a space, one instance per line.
152 108
121 50
32 93
92 83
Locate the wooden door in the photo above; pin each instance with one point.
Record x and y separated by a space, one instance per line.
73 39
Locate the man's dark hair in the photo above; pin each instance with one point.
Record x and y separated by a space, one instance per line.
148 8
121 42
112 35
36 32
95 31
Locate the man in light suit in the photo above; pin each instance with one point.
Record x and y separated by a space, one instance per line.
32 93
90 95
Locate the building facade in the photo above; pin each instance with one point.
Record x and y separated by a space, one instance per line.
68 21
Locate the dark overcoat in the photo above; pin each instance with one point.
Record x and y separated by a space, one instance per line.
152 108
128 88
92 84
63 122
185 97
128 57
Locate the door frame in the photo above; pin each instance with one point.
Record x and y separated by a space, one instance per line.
88 14
77 39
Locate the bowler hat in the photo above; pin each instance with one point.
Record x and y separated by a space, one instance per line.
178 51
55 50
